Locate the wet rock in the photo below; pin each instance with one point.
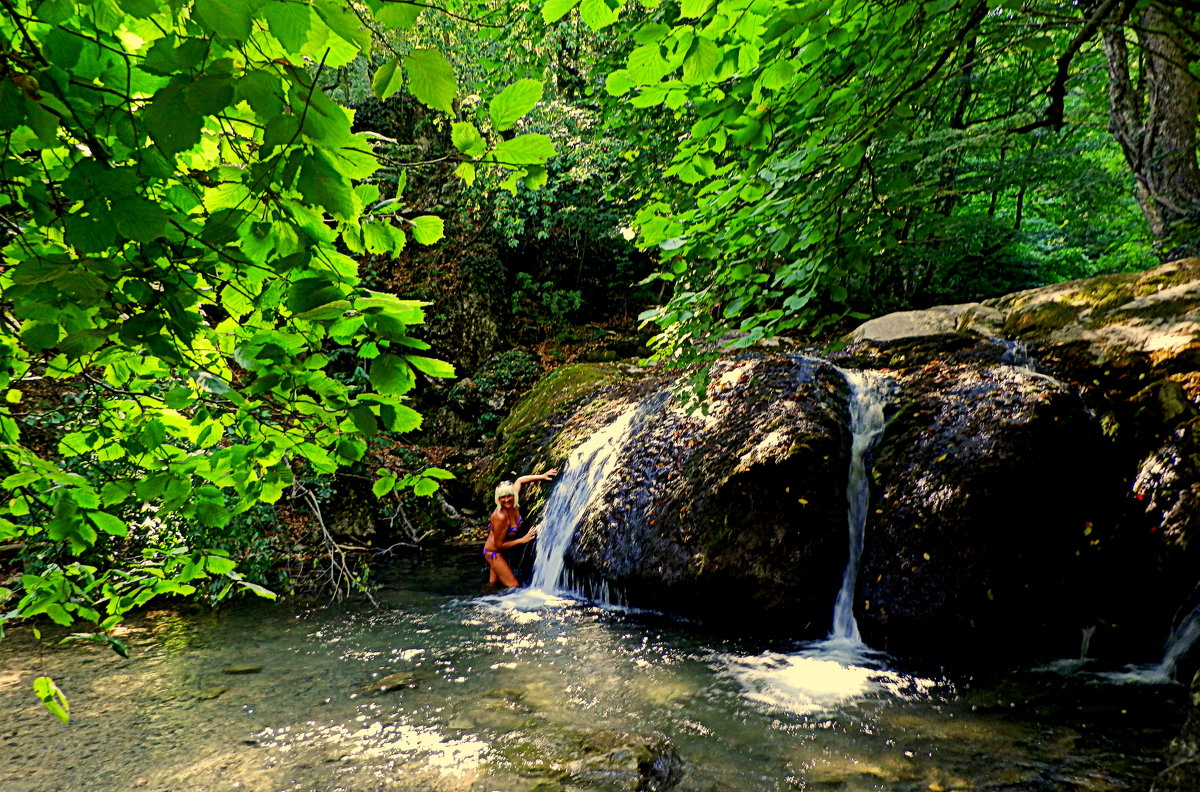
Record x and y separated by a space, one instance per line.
1183 759
211 692
986 490
509 697
726 512
397 681
242 669
617 762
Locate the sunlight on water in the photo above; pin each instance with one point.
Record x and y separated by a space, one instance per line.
822 678
504 692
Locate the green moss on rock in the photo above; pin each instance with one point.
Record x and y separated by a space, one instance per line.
554 393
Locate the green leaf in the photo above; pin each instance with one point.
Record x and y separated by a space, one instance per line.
209 94
431 79
261 591
700 65
321 179
330 310
172 131
514 102
114 526
388 79
466 138
400 418
619 83
398 15
431 366
466 172
39 335
391 375
54 699
694 9
308 293
116 644
288 22
383 485
228 18
364 420
532 149
218 565
598 14
554 10
428 229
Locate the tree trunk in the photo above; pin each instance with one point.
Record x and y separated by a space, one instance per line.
1154 120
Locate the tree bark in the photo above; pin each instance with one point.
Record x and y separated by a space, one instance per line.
1152 115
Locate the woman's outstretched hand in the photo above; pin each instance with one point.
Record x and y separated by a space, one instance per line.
550 474
529 537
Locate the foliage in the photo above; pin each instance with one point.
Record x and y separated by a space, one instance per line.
828 142
54 699
181 201
484 397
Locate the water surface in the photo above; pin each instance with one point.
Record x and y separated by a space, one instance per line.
504 694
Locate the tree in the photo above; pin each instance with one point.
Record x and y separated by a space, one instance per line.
814 131
181 203
1153 112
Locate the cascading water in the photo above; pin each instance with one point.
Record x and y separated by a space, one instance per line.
582 475
867 400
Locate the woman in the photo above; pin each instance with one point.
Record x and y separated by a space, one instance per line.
505 525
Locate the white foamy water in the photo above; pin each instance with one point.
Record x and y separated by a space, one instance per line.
867 400
580 479
821 678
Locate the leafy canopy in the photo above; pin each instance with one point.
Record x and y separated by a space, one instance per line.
820 137
181 205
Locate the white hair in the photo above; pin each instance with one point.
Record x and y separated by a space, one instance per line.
506 488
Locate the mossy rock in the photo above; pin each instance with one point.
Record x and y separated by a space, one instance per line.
555 392
529 437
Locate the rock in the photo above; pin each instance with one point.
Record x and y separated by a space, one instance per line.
939 320
1183 758
242 669
987 485
211 692
726 513
617 762
397 681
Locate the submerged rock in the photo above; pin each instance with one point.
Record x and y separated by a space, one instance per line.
397 681
242 669
599 761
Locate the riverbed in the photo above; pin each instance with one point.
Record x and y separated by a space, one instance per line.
515 694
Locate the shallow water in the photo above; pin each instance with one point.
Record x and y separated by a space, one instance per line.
505 692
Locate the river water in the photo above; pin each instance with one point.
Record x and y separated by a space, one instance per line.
500 696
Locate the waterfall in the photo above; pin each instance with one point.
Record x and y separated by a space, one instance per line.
581 476
1179 642
867 400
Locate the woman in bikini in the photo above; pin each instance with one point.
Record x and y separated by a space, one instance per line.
505 524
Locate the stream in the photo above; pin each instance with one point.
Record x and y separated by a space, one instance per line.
498 695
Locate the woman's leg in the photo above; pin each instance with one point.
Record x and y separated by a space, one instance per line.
500 571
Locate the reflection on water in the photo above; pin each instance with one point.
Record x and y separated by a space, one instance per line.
520 693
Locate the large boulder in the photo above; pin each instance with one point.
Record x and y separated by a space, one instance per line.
1128 345
734 510
989 487
1025 492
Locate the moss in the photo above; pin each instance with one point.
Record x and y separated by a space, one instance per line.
1041 320
562 387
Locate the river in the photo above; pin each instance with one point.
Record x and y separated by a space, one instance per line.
500 698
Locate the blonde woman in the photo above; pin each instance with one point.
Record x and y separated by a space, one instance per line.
505 525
